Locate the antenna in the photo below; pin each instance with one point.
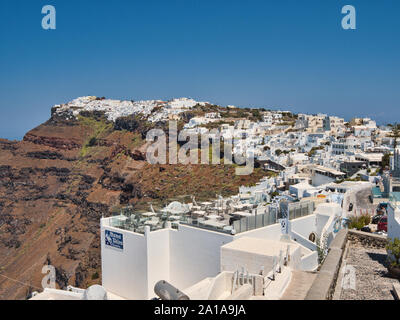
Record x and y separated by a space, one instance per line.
194 200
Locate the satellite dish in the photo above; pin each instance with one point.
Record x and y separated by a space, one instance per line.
95 292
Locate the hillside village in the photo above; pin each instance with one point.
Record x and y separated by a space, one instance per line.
322 181
84 173
300 148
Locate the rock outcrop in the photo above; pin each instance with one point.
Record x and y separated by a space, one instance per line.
66 174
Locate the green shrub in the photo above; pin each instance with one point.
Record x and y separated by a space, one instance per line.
357 222
366 219
393 249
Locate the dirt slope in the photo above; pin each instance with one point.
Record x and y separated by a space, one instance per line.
57 183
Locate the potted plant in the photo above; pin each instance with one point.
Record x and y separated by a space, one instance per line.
393 250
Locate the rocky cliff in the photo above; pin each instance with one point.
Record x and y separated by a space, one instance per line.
57 182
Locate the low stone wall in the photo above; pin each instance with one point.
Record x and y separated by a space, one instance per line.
366 239
324 284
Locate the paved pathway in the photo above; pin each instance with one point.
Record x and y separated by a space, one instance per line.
299 285
372 281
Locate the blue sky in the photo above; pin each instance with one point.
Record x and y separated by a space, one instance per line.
288 53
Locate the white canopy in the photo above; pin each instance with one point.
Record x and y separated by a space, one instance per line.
213 223
148 214
242 213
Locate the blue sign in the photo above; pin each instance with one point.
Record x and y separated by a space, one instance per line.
284 225
114 239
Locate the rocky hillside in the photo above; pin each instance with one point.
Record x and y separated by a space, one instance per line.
57 182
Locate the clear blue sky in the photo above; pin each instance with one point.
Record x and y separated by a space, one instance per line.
287 53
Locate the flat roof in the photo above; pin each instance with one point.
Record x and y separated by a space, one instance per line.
370 156
261 246
325 169
347 184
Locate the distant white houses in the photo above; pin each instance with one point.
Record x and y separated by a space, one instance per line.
322 175
347 146
302 189
114 109
213 115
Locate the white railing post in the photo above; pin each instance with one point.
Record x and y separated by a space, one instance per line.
235 280
280 261
274 268
287 257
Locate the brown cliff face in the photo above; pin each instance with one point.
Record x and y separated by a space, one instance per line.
62 177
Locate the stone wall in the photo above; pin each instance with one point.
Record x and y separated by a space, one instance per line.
324 284
365 239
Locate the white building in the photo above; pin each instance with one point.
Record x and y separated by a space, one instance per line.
322 175
132 263
393 213
347 146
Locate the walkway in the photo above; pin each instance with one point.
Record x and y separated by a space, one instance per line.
299 285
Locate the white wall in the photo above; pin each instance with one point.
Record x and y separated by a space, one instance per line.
272 232
232 260
182 257
304 225
309 262
158 258
320 223
124 272
393 222
195 254
303 241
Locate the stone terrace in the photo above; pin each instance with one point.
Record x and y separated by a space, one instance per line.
367 254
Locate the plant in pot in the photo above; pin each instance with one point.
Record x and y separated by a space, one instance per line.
393 250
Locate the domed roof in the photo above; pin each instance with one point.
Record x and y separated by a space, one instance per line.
176 207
